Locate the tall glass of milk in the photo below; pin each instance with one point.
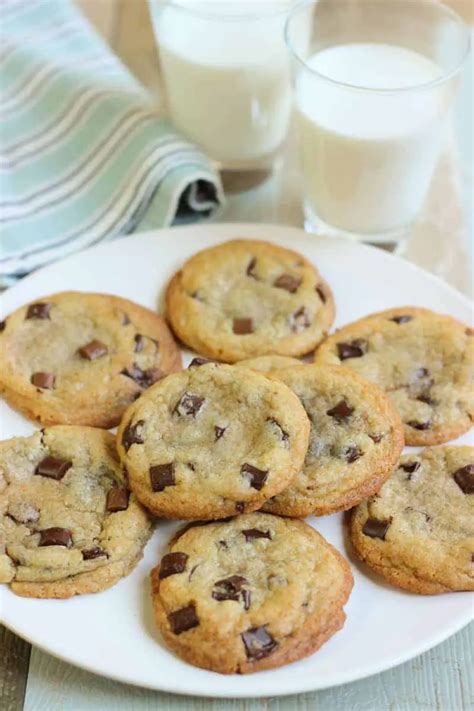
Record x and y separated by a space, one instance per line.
227 77
374 82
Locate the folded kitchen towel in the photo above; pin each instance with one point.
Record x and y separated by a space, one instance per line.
84 154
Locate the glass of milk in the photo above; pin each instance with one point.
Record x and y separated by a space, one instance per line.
227 77
374 82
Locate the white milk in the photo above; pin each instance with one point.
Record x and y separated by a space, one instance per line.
227 81
368 157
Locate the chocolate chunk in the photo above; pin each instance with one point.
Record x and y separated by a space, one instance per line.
218 432
232 589
117 499
172 564
376 528
239 506
93 350
39 310
2 325
410 467
258 643
183 619
352 454
53 468
196 362
132 434
161 476
404 318
427 399
139 343
321 293
143 378
256 477
55 537
288 282
43 380
241 326
284 435
189 404
377 437
91 553
464 478
300 320
341 412
251 267
252 533
416 425
354 349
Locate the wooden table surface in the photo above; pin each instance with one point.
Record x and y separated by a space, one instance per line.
442 678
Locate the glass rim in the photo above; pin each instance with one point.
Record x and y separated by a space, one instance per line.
381 90
261 14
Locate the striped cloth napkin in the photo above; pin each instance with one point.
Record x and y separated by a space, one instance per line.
85 157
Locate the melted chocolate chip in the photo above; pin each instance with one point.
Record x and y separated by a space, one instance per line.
172 564
139 343
55 537
91 553
464 478
39 310
341 412
218 432
196 362
161 476
377 437
93 350
252 533
256 477
258 643
410 467
416 425
189 404
229 588
117 499
251 267
427 399
43 380
53 468
239 506
132 434
352 454
184 619
376 528
288 282
354 349
143 378
241 326
300 320
321 293
404 318
283 435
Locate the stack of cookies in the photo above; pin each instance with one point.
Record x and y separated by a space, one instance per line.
243 444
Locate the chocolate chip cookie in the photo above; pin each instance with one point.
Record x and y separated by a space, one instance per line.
68 523
422 359
251 593
270 362
418 531
245 298
355 441
212 441
81 358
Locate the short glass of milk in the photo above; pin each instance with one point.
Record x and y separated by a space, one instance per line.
226 72
374 81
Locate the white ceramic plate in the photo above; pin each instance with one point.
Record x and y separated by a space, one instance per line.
112 633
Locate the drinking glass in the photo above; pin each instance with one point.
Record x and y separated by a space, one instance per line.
226 72
374 83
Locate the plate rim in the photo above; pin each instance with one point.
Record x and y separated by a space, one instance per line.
266 230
